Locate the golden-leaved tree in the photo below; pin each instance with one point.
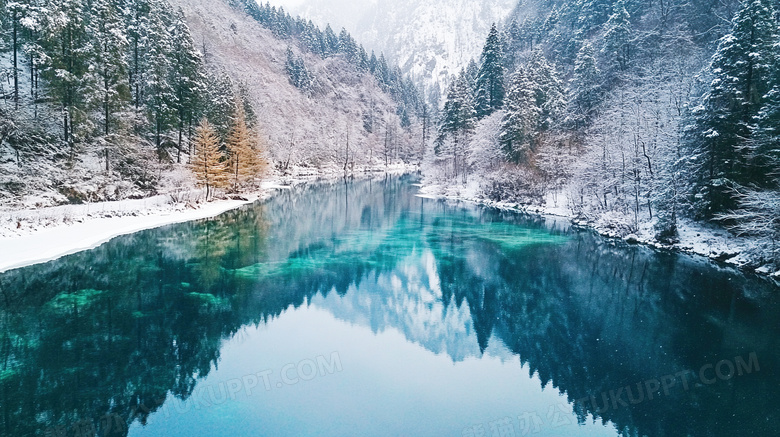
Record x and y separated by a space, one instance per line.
246 162
207 164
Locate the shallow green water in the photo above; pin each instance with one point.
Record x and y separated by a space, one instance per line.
361 309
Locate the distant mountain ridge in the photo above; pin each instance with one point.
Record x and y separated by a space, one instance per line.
429 40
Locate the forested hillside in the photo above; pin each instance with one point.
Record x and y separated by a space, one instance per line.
100 100
638 116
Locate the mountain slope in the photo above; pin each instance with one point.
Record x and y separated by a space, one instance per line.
301 129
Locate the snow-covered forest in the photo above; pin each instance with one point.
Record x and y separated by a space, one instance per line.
101 99
638 117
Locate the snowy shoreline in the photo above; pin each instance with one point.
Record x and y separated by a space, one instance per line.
47 234
696 239
33 236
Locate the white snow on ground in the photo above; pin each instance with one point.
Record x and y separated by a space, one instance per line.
38 235
59 231
694 238
555 204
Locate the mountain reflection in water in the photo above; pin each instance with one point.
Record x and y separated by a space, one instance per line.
434 318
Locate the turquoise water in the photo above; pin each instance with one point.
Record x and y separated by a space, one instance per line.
358 308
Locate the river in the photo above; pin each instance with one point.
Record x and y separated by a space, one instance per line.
360 309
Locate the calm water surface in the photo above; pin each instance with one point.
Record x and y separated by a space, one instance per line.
360 309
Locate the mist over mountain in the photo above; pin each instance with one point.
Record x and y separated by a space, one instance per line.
429 40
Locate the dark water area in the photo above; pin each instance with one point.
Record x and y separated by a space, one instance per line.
359 308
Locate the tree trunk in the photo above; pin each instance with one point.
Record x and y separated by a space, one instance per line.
65 128
16 62
106 103
387 139
346 157
181 132
158 135
235 184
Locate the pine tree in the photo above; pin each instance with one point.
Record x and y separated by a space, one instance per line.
291 66
764 146
137 22
490 78
533 104
348 47
472 72
16 13
297 71
330 42
33 30
382 71
617 37
513 45
106 84
518 127
585 88
312 38
158 93
280 23
743 74
458 114
548 89
372 63
187 78
245 164
362 59
207 164
64 40
220 95
458 121
591 13
552 20
758 212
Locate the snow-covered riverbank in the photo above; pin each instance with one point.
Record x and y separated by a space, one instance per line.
37 235
32 236
695 238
